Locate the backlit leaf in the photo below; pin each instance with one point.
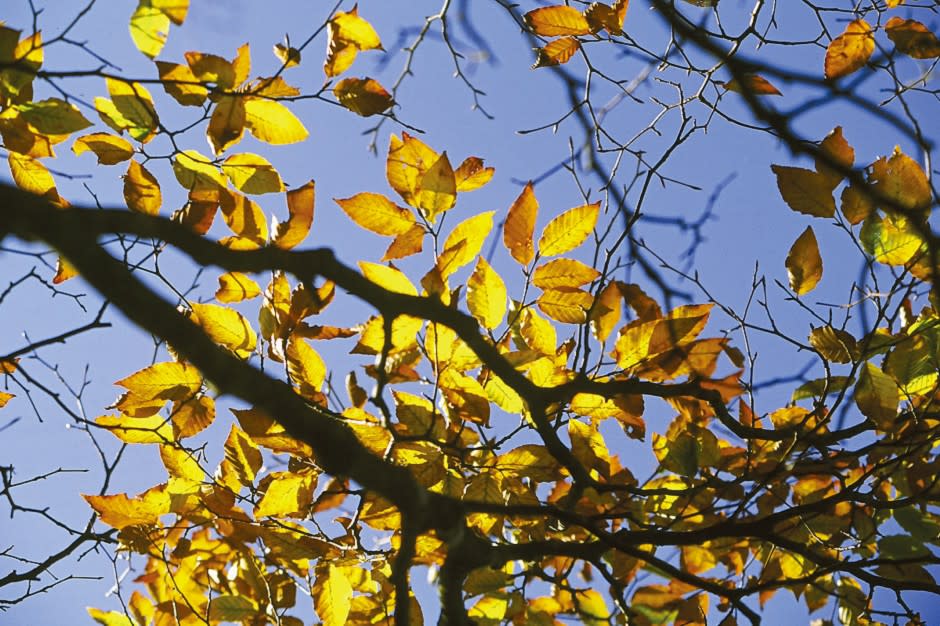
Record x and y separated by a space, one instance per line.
436 189
120 511
63 271
486 295
752 83
856 204
408 159
252 174
53 116
388 278
805 191
153 429
834 344
300 204
603 16
464 242
332 595
110 618
901 181
912 364
226 327
472 174
849 51
211 68
149 389
877 396
227 124
287 55
176 10
566 305
272 122
196 172
838 149
561 273
228 608
607 311
556 52
804 265
569 230
244 217
109 149
519 226
557 20
235 287
141 190
406 244
149 27
243 455
363 96
912 38
131 109
32 176
377 213
892 240
181 84
286 495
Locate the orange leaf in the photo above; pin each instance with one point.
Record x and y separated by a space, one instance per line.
557 20
600 15
556 52
377 213
520 226
849 51
300 203
472 175
805 191
141 190
912 38
753 83
804 265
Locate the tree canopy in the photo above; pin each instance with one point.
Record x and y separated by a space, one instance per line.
462 394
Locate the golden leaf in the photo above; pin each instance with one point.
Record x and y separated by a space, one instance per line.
406 244
152 429
226 327
472 175
286 494
556 52
109 149
181 84
603 16
569 230
363 96
332 595
804 265
464 242
805 191
272 122
562 273
838 149
912 38
196 172
520 226
901 181
227 124
149 389
251 173
130 108
53 116
32 176
436 189
377 213
300 203
287 55
388 278
752 83
558 20
877 397
486 295
408 159
235 287
244 217
141 190
120 511
566 305
849 52
211 68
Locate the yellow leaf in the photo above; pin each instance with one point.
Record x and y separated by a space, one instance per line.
211 68
566 305
408 158
804 265
486 295
111 618
196 172
19 136
120 511
464 242
466 398
472 174
562 273
109 149
436 189
131 109
838 149
242 455
176 10
752 83
252 174
556 21
877 397
226 327
602 16
641 340
538 333
241 64
305 366
153 429
532 461
892 240
181 84
53 116
352 29
141 190
363 96
912 38
63 271
286 494
568 230
834 344
332 595
849 51
272 122
587 445
243 216
902 182
149 27
592 608
300 203
406 244
192 416
520 226
805 191
556 52
5 397
149 389
377 213
388 278
227 124
235 287
32 176
607 311
272 87
287 55
181 464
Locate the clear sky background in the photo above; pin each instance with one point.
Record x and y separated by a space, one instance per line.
750 224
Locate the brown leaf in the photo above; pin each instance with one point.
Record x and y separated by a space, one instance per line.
849 52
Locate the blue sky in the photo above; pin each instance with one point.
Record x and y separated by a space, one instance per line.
751 224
